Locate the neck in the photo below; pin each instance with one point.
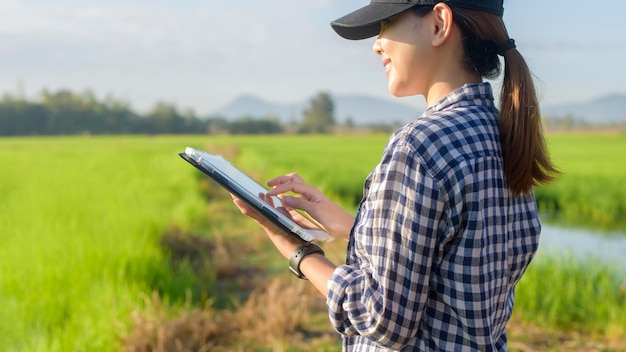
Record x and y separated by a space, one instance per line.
449 82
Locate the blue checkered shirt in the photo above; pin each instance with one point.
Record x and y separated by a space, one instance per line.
438 243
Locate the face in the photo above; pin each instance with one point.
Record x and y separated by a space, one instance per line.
405 47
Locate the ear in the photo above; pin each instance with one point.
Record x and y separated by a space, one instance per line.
442 24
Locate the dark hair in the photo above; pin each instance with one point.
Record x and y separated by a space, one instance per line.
526 159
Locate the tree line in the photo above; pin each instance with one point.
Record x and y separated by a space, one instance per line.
64 112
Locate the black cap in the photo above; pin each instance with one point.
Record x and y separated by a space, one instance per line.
365 22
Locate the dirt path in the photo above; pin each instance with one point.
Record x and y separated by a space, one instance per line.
524 337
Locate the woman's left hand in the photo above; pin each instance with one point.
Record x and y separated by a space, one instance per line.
316 267
286 245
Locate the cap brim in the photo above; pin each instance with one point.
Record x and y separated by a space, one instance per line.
365 22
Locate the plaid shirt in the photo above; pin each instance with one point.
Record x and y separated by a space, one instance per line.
438 243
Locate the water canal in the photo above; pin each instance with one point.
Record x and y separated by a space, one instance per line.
585 244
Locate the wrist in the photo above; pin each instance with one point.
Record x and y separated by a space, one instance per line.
286 245
299 254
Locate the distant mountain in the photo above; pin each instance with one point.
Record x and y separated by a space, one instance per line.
602 110
249 105
363 110
360 109
370 110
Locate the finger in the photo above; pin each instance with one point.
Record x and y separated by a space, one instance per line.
292 177
299 203
267 199
245 208
311 193
304 221
296 178
241 205
248 211
276 181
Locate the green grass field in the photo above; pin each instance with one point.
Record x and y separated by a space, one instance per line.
81 221
592 190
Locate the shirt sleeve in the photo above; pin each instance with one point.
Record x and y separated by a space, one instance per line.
381 292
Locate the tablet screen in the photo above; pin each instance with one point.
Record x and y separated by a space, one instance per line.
218 162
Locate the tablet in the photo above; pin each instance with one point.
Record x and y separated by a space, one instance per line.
247 189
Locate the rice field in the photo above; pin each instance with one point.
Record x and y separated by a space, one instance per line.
80 221
592 190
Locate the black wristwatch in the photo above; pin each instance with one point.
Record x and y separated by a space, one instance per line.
298 254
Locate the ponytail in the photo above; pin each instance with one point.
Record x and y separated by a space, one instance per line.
526 159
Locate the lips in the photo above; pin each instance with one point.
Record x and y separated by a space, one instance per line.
387 65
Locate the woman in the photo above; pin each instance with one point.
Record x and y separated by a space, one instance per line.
448 222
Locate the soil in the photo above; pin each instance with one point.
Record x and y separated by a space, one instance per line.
525 337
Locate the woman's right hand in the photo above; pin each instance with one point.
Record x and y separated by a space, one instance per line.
334 219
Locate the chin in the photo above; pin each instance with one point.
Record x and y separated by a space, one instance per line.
400 93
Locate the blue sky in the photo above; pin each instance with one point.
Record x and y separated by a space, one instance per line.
201 54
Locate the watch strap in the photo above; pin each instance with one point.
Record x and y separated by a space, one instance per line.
299 254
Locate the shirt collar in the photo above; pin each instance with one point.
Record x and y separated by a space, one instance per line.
477 94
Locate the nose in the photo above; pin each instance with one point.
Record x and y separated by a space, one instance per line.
378 50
